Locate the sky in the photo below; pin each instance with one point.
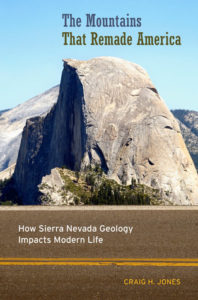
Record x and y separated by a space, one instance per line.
32 49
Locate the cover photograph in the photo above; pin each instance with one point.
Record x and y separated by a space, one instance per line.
98 150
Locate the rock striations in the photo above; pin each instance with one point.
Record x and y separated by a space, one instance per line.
12 122
109 113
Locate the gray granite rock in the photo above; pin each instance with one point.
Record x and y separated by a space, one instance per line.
12 122
188 122
108 112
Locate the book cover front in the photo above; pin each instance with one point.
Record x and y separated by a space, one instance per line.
98 150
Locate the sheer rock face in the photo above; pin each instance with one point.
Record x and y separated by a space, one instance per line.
108 112
12 122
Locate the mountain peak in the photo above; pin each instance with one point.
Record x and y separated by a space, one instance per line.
108 113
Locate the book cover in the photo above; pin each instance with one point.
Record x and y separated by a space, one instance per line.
99 148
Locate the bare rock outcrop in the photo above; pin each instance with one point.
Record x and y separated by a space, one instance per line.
109 113
13 121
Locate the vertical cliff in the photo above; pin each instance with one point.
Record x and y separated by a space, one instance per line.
108 113
53 141
13 121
